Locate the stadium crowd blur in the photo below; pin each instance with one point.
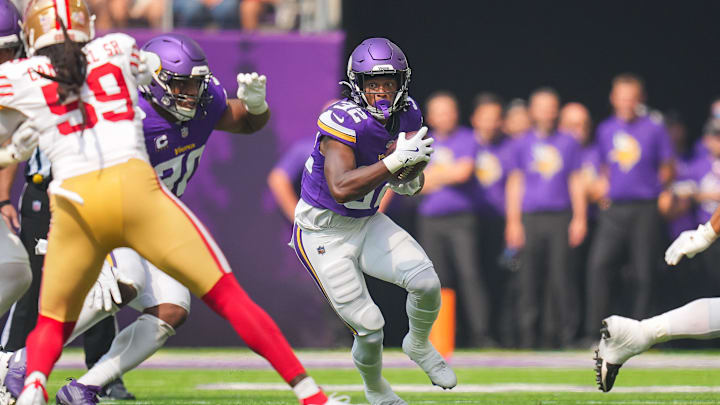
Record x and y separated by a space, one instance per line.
543 219
249 15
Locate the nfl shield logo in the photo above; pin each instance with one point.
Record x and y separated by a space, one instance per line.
36 205
184 132
321 250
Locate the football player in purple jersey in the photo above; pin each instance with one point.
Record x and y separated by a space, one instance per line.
338 233
183 104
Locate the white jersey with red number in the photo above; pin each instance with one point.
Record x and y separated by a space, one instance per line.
112 131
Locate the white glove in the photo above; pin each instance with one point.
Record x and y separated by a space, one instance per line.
251 90
409 151
690 243
23 144
409 188
105 290
149 64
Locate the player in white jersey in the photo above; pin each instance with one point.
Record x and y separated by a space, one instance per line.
15 275
623 338
79 94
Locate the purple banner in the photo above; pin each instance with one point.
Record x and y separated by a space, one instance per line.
226 191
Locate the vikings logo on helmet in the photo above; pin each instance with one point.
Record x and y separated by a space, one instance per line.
10 27
41 25
179 85
375 57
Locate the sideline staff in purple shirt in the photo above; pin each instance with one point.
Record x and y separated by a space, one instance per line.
637 160
447 222
546 216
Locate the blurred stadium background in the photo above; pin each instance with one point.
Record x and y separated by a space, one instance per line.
509 48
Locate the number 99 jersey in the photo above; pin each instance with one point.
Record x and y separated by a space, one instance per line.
112 130
350 124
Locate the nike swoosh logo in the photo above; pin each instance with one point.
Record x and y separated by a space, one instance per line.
410 150
338 119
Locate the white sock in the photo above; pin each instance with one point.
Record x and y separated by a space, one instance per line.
16 278
367 356
306 388
699 319
36 375
422 306
89 317
131 346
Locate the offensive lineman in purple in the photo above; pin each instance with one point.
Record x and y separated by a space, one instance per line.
185 103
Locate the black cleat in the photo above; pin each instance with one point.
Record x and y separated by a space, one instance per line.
115 391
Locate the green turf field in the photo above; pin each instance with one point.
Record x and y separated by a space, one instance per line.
477 385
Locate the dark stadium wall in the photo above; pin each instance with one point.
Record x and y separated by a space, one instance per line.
512 47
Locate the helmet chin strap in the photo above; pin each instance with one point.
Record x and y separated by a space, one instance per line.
384 106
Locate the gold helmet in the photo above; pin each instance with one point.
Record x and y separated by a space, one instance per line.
41 23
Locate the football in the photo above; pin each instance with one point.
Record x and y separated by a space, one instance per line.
408 173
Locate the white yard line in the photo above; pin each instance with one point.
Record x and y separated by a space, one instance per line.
470 388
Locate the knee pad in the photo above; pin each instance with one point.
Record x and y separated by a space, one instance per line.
342 281
425 283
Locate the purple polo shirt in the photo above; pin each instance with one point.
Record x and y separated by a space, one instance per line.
493 162
455 198
634 152
547 164
684 177
705 171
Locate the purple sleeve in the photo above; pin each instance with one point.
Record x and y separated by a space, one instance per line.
468 147
600 145
574 155
515 152
665 149
340 125
293 161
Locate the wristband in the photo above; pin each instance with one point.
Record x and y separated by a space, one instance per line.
4 203
392 163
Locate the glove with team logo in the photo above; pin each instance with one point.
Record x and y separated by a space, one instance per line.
411 187
690 243
251 90
105 290
409 152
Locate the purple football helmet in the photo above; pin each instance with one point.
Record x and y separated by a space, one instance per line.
375 57
10 27
180 85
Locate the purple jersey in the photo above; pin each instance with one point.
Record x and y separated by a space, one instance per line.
175 148
453 198
547 164
684 181
634 151
350 124
493 163
705 172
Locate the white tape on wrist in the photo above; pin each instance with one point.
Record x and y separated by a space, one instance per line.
258 109
392 163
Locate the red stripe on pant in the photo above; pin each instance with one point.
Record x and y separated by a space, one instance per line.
254 326
45 344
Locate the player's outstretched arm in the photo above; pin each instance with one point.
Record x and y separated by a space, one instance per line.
690 243
249 112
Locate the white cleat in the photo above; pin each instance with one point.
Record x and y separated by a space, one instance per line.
431 362
621 338
384 397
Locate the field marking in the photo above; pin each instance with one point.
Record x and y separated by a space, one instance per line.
469 388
